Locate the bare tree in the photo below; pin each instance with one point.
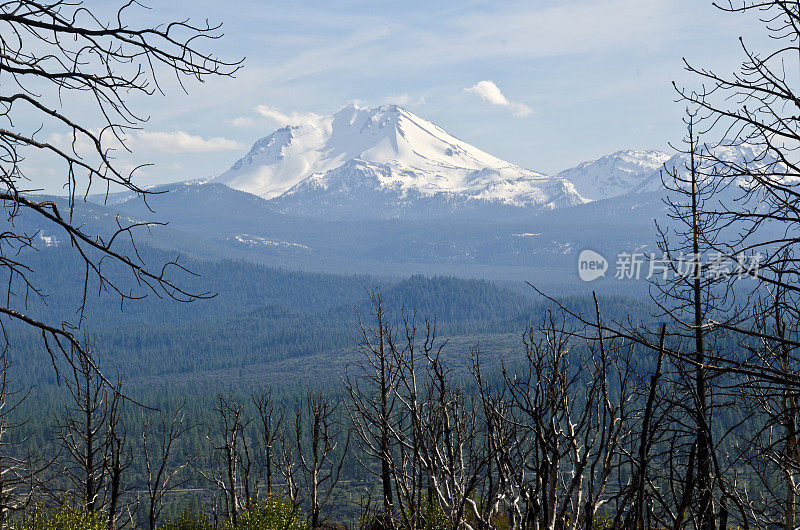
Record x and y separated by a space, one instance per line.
370 386
610 428
688 299
452 450
633 507
16 474
699 376
411 475
508 453
768 443
120 457
54 53
757 107
232 458
288 466
439 437
159 442
320 456
571 431
84 433
270 423
740 201
424 430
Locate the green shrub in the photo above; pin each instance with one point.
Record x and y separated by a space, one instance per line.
430 517
272 513
435 518
189 521
63 518
603 522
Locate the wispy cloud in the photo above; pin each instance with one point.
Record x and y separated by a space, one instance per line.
515 30
332 51
173 142
404 100
281 118
491 94
183 142
242 122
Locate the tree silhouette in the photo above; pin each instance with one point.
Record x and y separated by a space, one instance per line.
52 56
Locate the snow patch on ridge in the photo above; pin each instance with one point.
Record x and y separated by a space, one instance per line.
614 174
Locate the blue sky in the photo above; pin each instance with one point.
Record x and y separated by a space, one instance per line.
565 81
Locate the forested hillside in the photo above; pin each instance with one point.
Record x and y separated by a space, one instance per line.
256 314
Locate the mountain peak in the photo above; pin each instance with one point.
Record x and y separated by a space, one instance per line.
352 110
614 174
404 153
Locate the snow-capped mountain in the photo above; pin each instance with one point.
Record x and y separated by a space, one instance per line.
615 174
387 162
631 172
720 160
387 159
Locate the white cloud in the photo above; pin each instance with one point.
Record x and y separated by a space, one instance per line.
293 118
242 121
490 93
165 142
130 167
81 145
404 100
183 142
515 30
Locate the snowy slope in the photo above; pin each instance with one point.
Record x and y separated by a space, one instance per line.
359 154
630 172
615 174
731 156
